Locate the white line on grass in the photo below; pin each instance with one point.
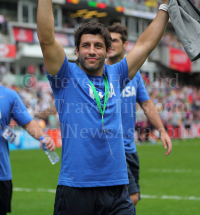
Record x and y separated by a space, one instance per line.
171 197
174 170
16 189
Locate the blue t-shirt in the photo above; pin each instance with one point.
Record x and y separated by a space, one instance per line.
90 158
11 106
134 91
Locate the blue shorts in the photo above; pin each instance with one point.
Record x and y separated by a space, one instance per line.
93 201
133 167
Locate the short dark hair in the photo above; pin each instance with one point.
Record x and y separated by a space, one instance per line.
94 28
120 29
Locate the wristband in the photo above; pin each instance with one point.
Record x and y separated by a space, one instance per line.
45 135
164 7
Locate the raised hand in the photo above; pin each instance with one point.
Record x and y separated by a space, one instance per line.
165 2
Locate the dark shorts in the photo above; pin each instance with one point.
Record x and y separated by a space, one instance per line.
5 196
93 201
133 167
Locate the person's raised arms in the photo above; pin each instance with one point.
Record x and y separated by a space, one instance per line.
147 42
52 49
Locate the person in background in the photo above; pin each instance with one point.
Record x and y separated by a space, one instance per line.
5 26
176 121
12 107
2 70
134 92
1 22
188 119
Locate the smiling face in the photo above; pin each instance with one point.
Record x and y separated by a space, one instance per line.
92 54
118 47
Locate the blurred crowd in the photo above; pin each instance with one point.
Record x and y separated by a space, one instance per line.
39 103
174 100
178 106
170 39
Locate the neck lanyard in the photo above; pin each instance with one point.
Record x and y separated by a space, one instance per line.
101 107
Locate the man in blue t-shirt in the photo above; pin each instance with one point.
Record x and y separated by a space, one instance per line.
87 97
134 91
11 106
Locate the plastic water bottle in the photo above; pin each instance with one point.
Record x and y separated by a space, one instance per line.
52 155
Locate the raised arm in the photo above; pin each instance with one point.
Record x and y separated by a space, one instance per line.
52 49
146 43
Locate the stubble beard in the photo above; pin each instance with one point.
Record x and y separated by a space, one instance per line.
91 69
115 58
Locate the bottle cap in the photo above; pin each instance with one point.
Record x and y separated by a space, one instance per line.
41 138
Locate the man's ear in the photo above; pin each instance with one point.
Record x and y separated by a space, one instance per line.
108 52
125 45
77 51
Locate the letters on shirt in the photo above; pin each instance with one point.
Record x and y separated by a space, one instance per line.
129 91
112 92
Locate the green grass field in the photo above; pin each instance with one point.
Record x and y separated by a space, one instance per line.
170 185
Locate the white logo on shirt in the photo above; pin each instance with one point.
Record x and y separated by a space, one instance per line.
112 92
128 91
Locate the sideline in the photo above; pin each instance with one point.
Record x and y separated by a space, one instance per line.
174 170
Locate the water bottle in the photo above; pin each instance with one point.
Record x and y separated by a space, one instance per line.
52 155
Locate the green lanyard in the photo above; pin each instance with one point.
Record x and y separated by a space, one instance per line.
101 108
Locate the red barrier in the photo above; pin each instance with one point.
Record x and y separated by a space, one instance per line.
179 60
7 51
23 35
183 133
